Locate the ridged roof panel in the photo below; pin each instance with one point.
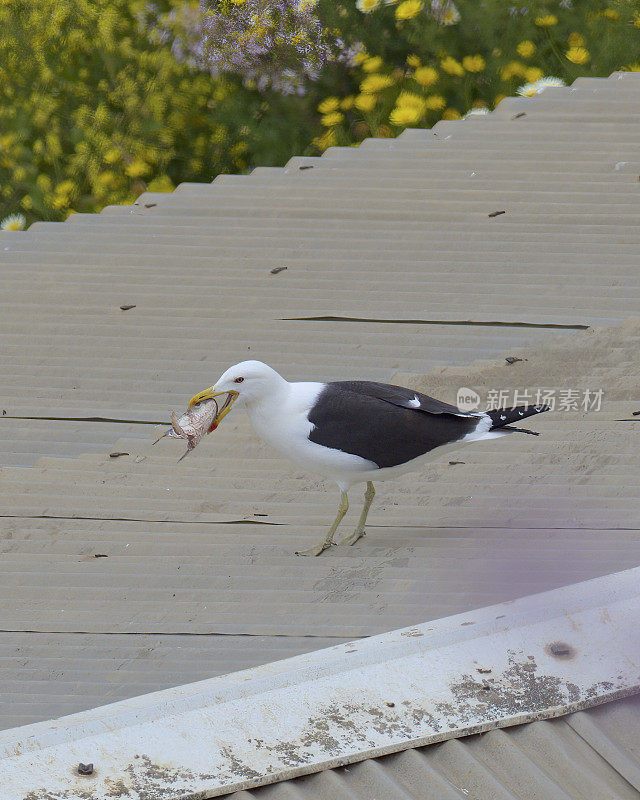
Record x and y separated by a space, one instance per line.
393 266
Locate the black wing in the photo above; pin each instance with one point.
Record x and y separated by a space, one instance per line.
379 422
400 396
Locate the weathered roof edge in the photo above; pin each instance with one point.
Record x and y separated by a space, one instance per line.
533 658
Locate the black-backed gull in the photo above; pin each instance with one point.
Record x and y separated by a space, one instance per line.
353 431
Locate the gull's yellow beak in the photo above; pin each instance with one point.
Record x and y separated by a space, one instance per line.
209 393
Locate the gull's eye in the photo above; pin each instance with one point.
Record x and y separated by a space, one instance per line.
238 380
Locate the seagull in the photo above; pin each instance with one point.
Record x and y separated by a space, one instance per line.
353 431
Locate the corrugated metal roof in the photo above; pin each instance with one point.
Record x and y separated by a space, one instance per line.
583 756
534 658
395 232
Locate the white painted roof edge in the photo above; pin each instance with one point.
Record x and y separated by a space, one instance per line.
533 658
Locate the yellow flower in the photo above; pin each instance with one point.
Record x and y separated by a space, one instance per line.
513 69
576 40
347 102
59 201
367 6
235 150
112 155
43 182
498 99
533 74
404 115
435 102
546 21
329 120
238 2
526 49
611 13
452 67
425 76
372 64
360 58
635 67
163 183
366 102
137 168
474 63
408 9
451 113
328 105
65 187
578 55
413 61
54 146
636 19
328 139
375 83
105 179
411 100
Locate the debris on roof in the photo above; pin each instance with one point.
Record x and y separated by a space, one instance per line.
589 754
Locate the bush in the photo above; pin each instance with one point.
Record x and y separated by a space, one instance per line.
92 112
102 99
423 61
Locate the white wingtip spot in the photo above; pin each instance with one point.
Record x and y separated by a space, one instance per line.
415 403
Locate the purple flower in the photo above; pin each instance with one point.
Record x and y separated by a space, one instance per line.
278 44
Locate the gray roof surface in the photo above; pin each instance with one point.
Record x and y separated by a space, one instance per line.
197 581
583 756
534 658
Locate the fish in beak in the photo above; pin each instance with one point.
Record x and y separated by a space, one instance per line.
210 394
202 417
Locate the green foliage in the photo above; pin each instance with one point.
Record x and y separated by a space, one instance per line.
95 108
92 112
420 64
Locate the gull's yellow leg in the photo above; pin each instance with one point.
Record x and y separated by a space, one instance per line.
359 531
326 543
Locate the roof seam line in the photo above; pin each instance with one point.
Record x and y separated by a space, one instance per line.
137 519
282 524
468 322
341 637
599 753
91 419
